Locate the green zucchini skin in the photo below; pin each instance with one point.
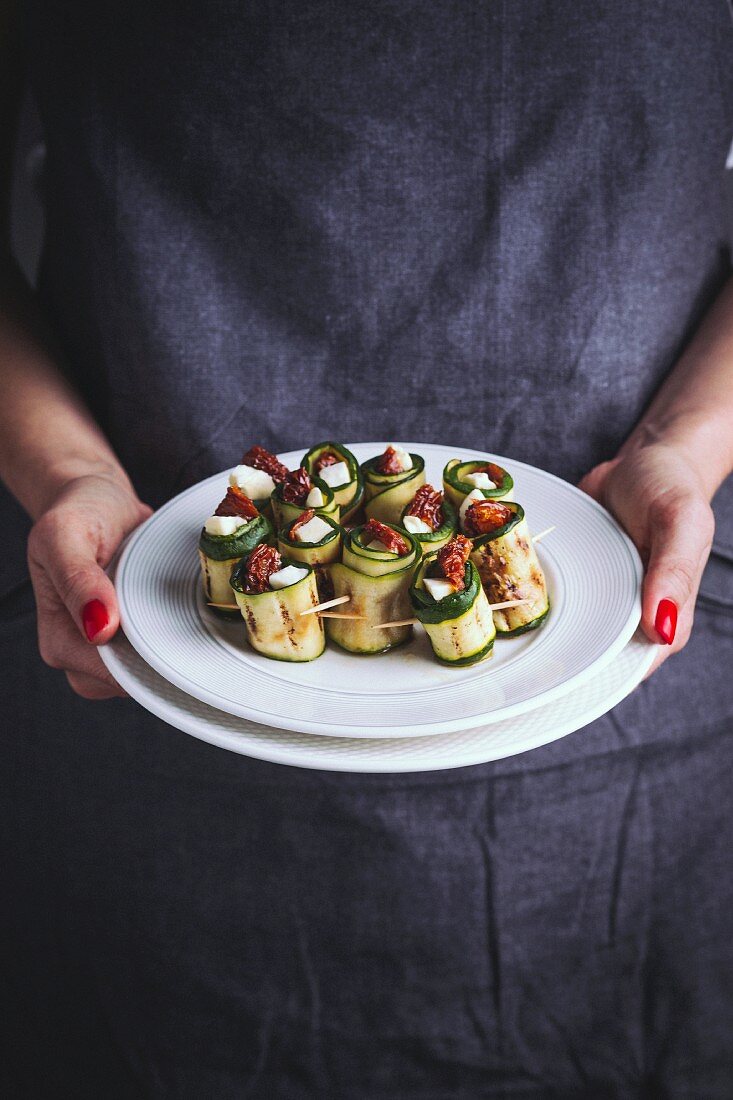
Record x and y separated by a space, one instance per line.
509 568
284 511
321 555
349 497
386 495
436 540
219 554
457 490
378 585
460 627
273 621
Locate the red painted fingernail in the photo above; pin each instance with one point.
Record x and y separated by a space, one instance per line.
94 617
665 623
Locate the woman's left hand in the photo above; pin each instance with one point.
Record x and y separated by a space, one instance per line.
658 497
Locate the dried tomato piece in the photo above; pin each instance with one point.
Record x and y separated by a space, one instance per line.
236 503
389 462
261 564
452 560
303 518
495 472
264 460
392 540
427 505
485 516
328 458
296 486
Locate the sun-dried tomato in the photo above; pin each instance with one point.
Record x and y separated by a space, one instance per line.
452 560
392 540
264 460
303 518
328 458
296 486
495 472
236 503
486 516
389 462
261 564
427 505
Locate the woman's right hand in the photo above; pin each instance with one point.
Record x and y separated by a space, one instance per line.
68 548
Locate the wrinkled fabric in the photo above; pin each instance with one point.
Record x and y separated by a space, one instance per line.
490 225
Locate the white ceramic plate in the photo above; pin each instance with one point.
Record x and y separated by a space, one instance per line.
594 578
401 754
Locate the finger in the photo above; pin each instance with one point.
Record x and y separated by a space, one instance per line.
61 647
681 534
594 481
89 687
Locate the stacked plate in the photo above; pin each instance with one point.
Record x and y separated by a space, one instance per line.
400 711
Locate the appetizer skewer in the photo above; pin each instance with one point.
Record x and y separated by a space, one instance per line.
390 481
337 466
271 593
431 517
258 474
461 478
315 540
298 492
235 528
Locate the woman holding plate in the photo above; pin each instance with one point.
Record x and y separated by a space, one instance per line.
501 226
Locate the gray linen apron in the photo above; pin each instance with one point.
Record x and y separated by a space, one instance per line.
492 225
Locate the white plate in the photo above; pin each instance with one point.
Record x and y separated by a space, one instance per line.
594 578
401 754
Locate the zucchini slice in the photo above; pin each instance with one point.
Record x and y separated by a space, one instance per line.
273 620
378 584
457 489
460 627
435 540
284 511
320 555
219 554
509 568
350 496
386 495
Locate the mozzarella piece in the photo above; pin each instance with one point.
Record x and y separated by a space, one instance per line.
224 525
416 526
375 544
402 458
315 498
438 588
257 484
284 578
481 480
472 497
313 531
335 475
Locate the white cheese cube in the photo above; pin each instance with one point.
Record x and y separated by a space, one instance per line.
439 588
224 525
291 574
402 458
335 475
415 525
375 544
313 531
257 484
480 479
472 497
315 498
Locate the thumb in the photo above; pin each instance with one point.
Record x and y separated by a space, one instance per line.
680 535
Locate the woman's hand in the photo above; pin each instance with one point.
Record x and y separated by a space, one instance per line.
68 548
661 500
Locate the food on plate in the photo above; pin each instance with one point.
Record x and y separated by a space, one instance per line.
337 466
300 491
506 560
448 598
315 539
375 572
462 477
271 592
234 529
431 517
390 481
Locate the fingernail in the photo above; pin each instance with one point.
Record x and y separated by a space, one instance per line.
665 623
94 617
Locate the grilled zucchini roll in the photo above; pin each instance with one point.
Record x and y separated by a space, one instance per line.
235 528
257 475
390 481
431 517
315 539
375 571
298 492
506 561
336 465
271 592
448 599
461 478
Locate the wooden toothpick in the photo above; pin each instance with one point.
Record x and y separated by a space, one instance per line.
327 603
224 606
547 531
